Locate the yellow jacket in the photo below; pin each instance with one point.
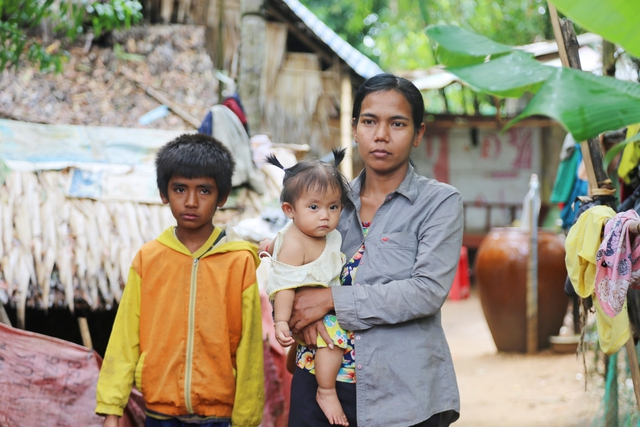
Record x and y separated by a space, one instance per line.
188 332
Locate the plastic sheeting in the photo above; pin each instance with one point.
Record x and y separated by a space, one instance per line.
47 381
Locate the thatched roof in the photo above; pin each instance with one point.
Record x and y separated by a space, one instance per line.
76 203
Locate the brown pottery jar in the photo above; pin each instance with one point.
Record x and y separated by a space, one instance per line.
501 273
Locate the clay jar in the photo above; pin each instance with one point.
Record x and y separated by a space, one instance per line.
501 274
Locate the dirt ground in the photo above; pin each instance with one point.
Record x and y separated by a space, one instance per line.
515 390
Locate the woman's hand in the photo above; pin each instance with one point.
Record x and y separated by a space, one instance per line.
309 305
309 335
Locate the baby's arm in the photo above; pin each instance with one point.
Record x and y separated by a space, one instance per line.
291 253
281 313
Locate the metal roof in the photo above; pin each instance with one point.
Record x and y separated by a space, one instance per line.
362 65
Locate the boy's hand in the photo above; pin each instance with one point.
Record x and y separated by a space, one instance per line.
265 246
283 334
111 421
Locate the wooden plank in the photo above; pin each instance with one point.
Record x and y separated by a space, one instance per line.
346 130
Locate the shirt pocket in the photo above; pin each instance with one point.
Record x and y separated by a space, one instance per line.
397 255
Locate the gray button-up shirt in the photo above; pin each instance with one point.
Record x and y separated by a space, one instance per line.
404 371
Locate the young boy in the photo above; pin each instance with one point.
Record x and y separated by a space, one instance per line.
188 330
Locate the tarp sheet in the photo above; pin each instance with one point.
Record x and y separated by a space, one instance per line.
105 160
45 381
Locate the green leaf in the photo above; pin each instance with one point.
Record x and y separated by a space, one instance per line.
613 151
459 47
585 104
614 20
509 76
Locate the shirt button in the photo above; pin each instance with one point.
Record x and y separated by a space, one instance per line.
358 338
359 366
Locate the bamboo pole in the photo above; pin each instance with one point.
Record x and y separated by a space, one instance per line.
346 130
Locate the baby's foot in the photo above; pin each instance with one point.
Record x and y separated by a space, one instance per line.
328 400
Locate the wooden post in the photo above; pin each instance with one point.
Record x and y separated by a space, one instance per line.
252 56
346 130
599 184
84 332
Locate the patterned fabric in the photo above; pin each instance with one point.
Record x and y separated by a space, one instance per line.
338 335
305 356
617 265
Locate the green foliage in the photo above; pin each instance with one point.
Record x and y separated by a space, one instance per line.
391 32
69 18
615 20
585 104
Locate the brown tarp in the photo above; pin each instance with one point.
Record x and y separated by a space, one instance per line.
47 381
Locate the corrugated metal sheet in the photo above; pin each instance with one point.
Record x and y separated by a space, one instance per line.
362 65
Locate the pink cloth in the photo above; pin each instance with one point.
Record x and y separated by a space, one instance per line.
617 265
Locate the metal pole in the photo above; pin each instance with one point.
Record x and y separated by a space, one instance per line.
532 270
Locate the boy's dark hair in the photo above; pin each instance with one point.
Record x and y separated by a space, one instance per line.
195 156
385 82
312 175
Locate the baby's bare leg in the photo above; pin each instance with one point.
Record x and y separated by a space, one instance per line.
327 363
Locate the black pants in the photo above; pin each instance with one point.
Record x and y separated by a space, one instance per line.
305 412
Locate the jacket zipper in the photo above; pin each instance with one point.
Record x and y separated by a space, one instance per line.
190 336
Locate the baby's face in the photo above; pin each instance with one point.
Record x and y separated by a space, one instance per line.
317 213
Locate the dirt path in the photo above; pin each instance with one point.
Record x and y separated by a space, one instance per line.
514 390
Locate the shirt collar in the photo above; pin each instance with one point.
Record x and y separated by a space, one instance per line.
408 187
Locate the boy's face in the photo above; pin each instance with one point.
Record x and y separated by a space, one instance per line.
315 213
193 202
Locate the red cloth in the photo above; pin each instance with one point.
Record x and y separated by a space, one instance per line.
46 381
233 105
277 380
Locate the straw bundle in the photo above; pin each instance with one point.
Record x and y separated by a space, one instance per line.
57 251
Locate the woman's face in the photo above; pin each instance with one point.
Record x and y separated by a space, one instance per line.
385 132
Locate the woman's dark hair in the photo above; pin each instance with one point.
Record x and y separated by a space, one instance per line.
312 175
385 82
195 156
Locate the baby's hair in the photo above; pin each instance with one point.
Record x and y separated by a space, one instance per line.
195 156
312 175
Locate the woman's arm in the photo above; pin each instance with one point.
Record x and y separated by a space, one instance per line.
423 293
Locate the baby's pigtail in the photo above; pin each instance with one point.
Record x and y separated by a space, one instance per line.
273 160
338 155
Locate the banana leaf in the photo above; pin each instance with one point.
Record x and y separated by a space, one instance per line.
585 104
460 47
614 20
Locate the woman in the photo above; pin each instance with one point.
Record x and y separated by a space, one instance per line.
402 235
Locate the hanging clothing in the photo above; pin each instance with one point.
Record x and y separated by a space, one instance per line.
566 176
628 166
582 244
617 265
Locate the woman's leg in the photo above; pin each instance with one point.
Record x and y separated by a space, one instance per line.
433 421
327 364
304 409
